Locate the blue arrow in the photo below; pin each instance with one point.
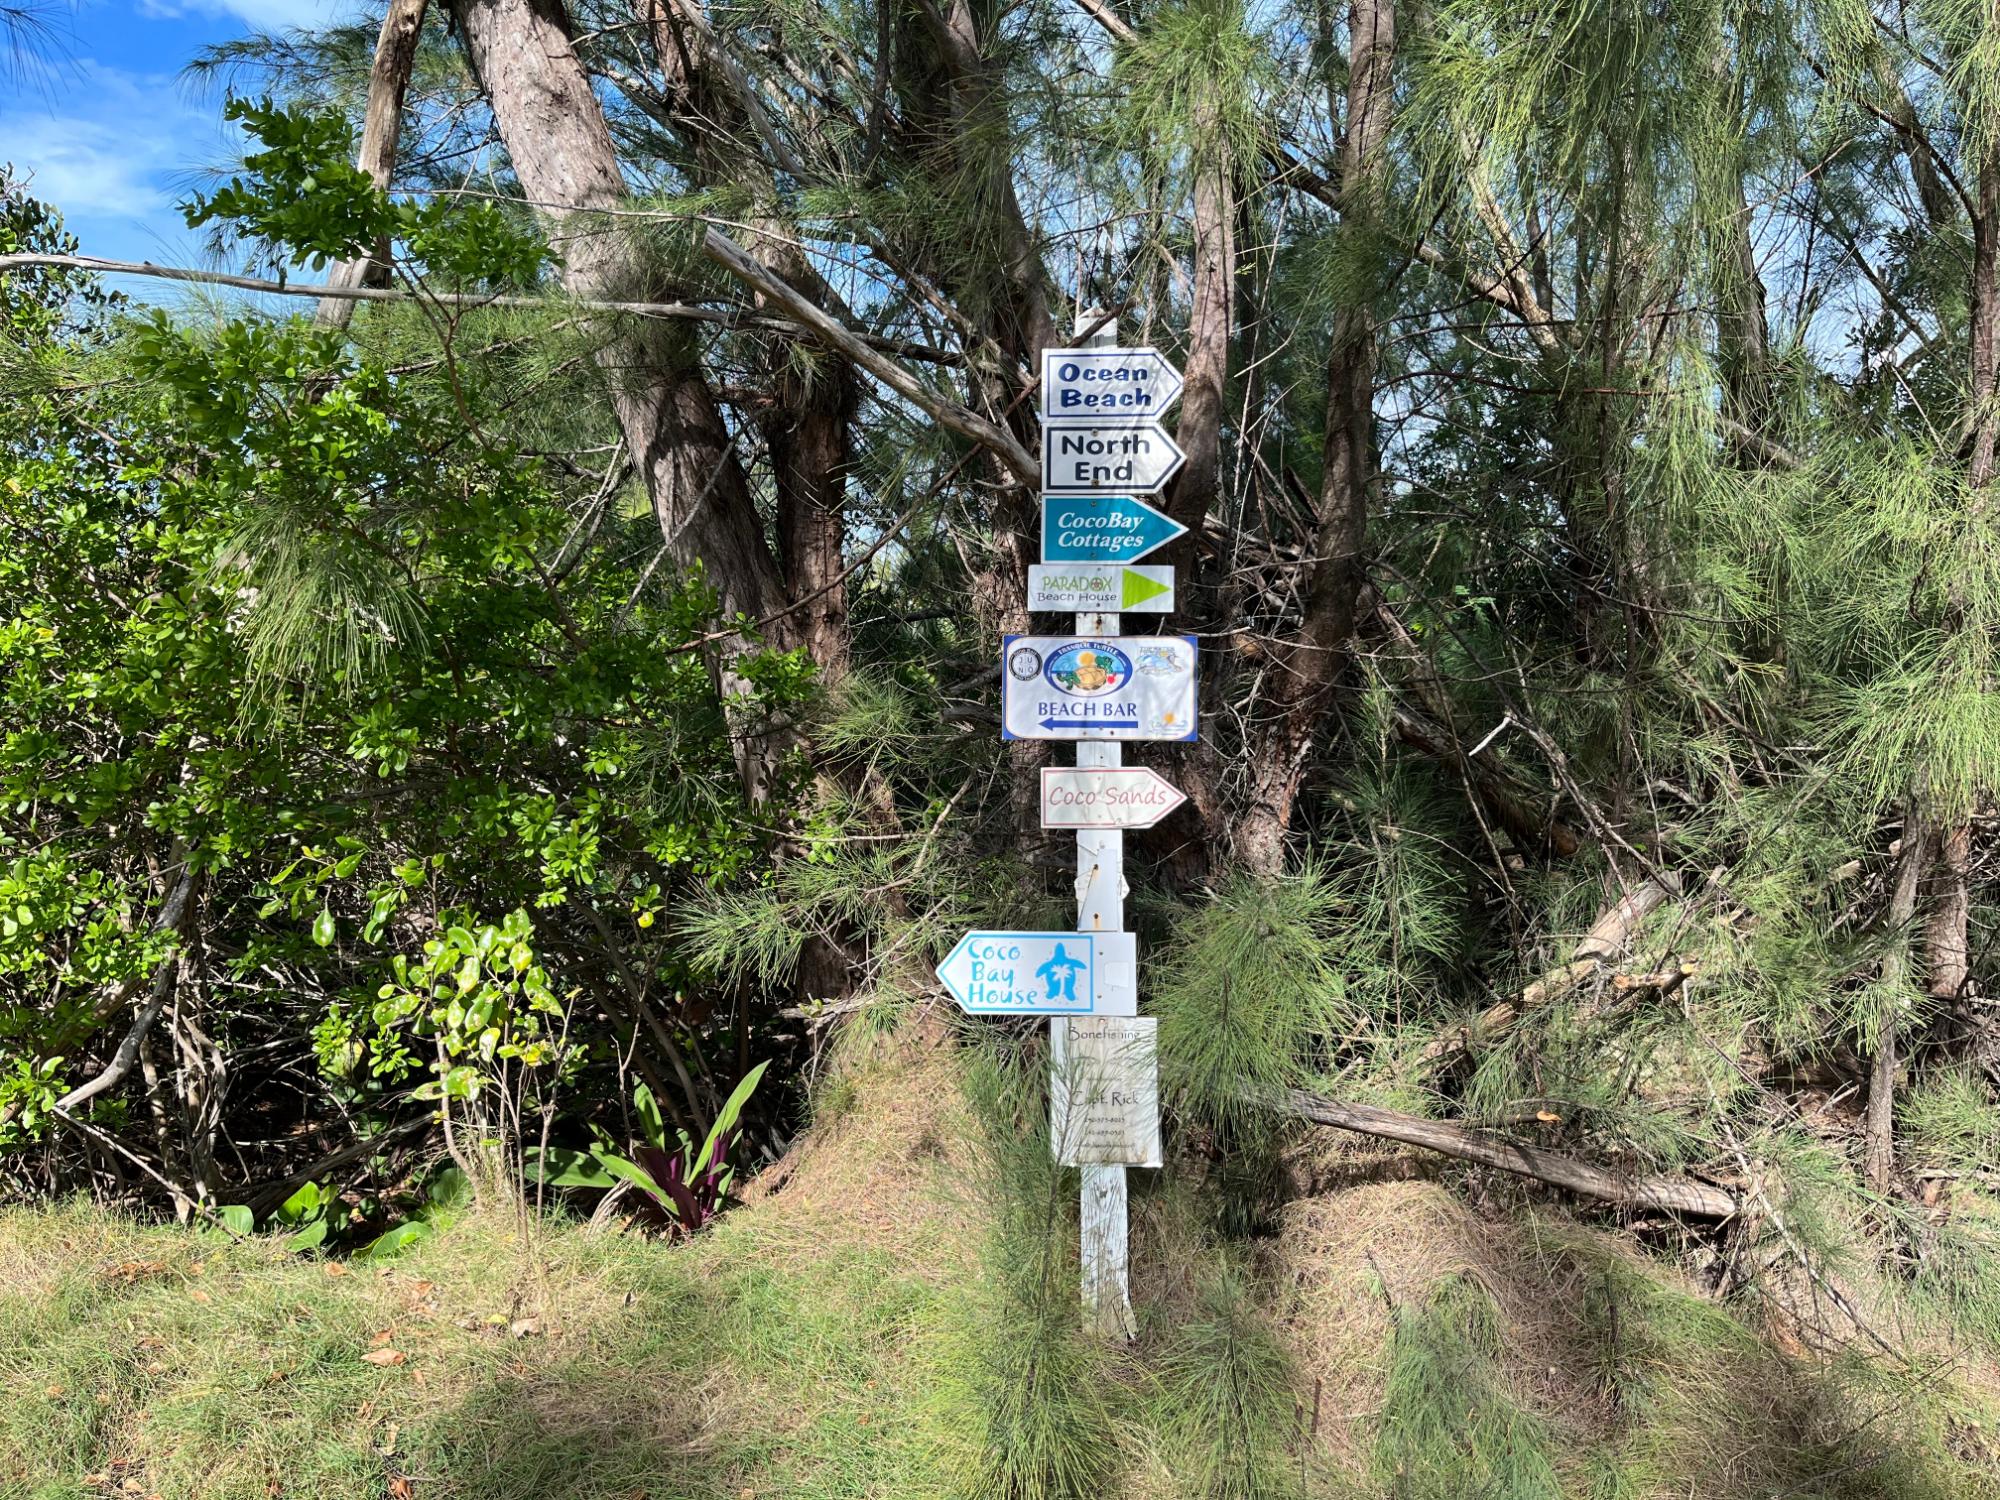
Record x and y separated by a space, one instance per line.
1103 528
1090 723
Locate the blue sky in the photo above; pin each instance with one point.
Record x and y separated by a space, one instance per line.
111 133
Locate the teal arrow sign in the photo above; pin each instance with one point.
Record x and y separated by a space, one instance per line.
1103 529
1042 973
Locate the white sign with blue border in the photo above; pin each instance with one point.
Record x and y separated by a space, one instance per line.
1044 973
1128 687
1107 384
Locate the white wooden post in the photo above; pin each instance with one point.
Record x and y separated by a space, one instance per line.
1100 907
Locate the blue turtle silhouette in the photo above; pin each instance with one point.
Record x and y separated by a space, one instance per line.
1060 972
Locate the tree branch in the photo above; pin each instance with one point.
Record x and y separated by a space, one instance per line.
1677 1195
731 256
723 318
173 917
1607 937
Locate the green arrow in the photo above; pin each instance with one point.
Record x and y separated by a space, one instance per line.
1137 588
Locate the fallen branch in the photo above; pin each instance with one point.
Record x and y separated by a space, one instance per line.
173 918
272 1194
1607 938
1676 1195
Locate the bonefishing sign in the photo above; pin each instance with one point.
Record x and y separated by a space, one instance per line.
1129 687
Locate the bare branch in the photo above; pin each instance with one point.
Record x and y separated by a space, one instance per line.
1677 1195
731 256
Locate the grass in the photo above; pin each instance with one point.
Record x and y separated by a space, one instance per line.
899 1321
580 1366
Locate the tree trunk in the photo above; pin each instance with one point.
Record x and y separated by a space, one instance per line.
563 154
388 82
1211 321
807 427
1879 1126
1284 728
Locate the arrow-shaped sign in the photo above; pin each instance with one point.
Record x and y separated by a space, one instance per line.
1106 796
1043 973
1090 723
1103 529
1107 384
1100 588
1098 458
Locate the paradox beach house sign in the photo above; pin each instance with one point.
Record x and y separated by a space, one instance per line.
1129 687
1105 588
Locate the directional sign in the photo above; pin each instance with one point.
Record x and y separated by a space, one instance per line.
1104 1100
1130 687
1103 529
1043 973
1106 796
1132 384
1100 588
1100 458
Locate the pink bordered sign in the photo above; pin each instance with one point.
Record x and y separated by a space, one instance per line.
1106 797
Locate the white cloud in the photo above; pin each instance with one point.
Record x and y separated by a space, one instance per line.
117 146
88 168
265 15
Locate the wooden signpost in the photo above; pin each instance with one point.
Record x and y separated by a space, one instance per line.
1102 447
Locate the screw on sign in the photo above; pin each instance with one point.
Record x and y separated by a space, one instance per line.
1136 383
1041 973
1087 458
1103 529
1130 687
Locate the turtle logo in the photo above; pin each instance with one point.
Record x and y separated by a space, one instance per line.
1088 669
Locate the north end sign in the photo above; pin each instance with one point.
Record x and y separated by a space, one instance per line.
1092 458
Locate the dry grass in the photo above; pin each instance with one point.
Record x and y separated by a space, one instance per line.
808 1346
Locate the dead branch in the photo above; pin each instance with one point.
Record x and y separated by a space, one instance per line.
721 317
1656 1191
1607 938
731 256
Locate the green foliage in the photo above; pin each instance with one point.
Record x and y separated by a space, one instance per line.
1246 993
1194 82
1226 1387
305 195
274 611
475 1001
1032 1383
1450 1426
